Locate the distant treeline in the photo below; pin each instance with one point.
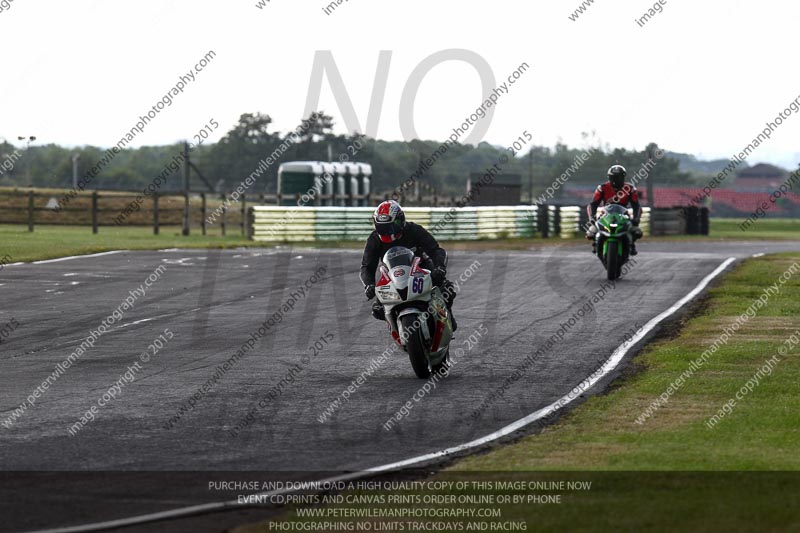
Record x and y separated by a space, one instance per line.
226 163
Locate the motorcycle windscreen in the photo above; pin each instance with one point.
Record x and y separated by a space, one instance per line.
398 256
616 209
398 261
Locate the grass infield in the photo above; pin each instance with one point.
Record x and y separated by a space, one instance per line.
50 241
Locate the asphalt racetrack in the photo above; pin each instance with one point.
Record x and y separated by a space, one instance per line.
185 410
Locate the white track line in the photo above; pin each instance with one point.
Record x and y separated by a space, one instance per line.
611 364
76 257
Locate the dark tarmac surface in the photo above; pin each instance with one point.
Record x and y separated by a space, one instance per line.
212 301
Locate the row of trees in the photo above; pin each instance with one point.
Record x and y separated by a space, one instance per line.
227 162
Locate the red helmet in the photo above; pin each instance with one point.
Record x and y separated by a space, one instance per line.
389 221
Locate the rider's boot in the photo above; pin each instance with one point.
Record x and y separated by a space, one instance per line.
377 311
452 319
449 292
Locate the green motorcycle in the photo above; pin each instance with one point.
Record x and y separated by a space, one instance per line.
614 239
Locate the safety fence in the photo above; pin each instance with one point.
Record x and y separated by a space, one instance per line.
291 223
680 221
96 209
272 223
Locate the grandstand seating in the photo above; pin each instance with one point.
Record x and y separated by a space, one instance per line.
724 202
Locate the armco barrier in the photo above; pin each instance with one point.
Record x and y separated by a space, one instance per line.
680 221
290 223
294 224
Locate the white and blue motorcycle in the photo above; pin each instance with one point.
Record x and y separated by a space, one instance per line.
415 311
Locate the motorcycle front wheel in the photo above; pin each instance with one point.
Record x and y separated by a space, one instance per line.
416 347
613 261
443 365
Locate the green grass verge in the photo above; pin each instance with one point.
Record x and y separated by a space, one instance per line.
727 229
49 241
672 472
766 228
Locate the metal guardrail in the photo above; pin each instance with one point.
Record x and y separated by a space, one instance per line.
294 224
680 221
276 223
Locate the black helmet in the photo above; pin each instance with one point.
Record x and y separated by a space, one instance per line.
616 175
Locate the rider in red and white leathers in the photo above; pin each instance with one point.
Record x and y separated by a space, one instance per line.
615 191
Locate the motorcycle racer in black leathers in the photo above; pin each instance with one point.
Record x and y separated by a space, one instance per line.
391 229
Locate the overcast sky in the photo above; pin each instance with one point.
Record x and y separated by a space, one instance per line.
700 77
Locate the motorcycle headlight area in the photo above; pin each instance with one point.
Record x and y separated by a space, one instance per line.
389 295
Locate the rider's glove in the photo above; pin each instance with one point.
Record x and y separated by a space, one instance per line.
438 275
369 290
